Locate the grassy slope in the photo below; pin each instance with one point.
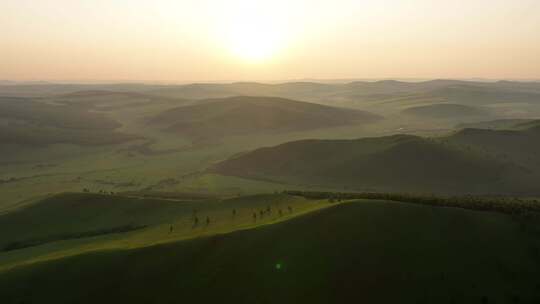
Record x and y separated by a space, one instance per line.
469 161
73 213
396 163
217 118
372 252
74 223
520 146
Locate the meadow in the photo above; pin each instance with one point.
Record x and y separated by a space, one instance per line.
324 252
339 193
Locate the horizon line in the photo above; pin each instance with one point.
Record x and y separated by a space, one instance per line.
5 82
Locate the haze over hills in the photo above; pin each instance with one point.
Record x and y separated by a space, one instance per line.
152 145
355 94
468 162
170 185
174 130
256 151
28 122
385 96
216 118
103 100
447 111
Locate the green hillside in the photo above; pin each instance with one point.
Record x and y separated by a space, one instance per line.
72 215
243 115
365 251
397 163
471 161
74 223
507 143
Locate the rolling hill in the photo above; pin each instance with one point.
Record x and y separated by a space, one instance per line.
353 252
74 215
457 164
507 97
103 100
242 115
69 224
25 121
521 145
446 111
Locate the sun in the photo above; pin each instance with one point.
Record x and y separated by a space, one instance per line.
254 34
254 41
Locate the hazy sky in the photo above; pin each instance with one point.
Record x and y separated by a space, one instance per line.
203 40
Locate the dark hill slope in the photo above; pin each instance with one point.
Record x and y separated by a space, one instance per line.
396 163
365 252
519 146
68 215
526 141
471 161
251 115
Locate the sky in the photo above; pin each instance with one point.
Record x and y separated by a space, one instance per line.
241 40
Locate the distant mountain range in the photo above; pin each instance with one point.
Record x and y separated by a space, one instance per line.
507 97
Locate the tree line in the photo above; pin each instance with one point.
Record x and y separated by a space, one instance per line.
507 205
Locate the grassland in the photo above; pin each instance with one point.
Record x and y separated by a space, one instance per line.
177 230
352 251
74 223
71 159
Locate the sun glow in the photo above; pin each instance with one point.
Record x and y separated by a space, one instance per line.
254 40
254 32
